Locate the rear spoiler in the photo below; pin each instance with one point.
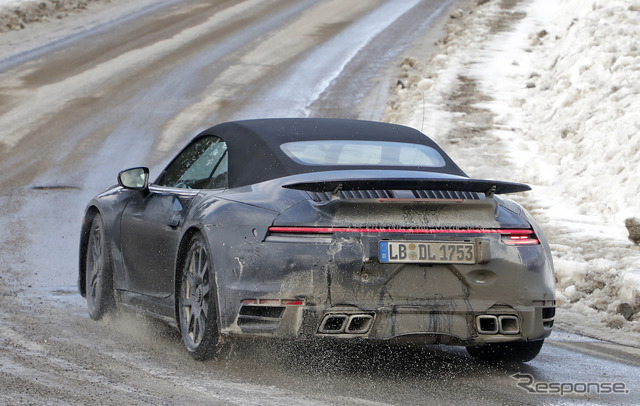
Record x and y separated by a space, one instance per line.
488 187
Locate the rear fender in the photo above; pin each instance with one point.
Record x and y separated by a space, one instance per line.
235 233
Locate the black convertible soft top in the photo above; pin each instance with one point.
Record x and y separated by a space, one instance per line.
255 155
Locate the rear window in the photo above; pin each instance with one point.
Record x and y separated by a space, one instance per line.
362 153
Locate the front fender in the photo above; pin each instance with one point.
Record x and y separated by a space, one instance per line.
110 205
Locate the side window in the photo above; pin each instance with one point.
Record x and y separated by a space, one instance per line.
202 165
219 179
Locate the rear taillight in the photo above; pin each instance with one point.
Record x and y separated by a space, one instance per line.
509 236
520 237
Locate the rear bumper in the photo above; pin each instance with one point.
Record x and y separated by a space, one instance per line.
454 323
508 298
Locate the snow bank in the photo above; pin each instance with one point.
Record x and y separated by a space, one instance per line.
9 3
585 109
16 14
558 85
570 87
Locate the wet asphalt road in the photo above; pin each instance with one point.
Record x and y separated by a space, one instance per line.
131 91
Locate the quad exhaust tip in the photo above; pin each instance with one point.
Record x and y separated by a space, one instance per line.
508 324
346 324
503 324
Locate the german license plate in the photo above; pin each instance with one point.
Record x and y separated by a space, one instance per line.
422 252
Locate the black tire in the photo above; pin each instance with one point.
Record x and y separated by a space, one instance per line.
98 272
513 352
197 302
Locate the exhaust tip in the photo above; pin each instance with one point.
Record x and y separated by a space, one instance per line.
336 323
487 324
333 324
359 324
509 324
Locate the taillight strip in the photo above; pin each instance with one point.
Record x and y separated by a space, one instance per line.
331 230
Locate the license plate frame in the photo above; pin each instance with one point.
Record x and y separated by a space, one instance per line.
427 252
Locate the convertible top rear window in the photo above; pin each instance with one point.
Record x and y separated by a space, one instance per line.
362 153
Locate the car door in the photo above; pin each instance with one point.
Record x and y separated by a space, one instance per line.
152 222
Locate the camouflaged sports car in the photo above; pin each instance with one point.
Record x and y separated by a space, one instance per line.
321 229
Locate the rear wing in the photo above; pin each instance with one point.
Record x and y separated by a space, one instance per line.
488 187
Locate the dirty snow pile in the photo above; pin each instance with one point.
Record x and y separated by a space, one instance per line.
16 14
562 81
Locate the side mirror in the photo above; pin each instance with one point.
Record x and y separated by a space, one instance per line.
134 178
